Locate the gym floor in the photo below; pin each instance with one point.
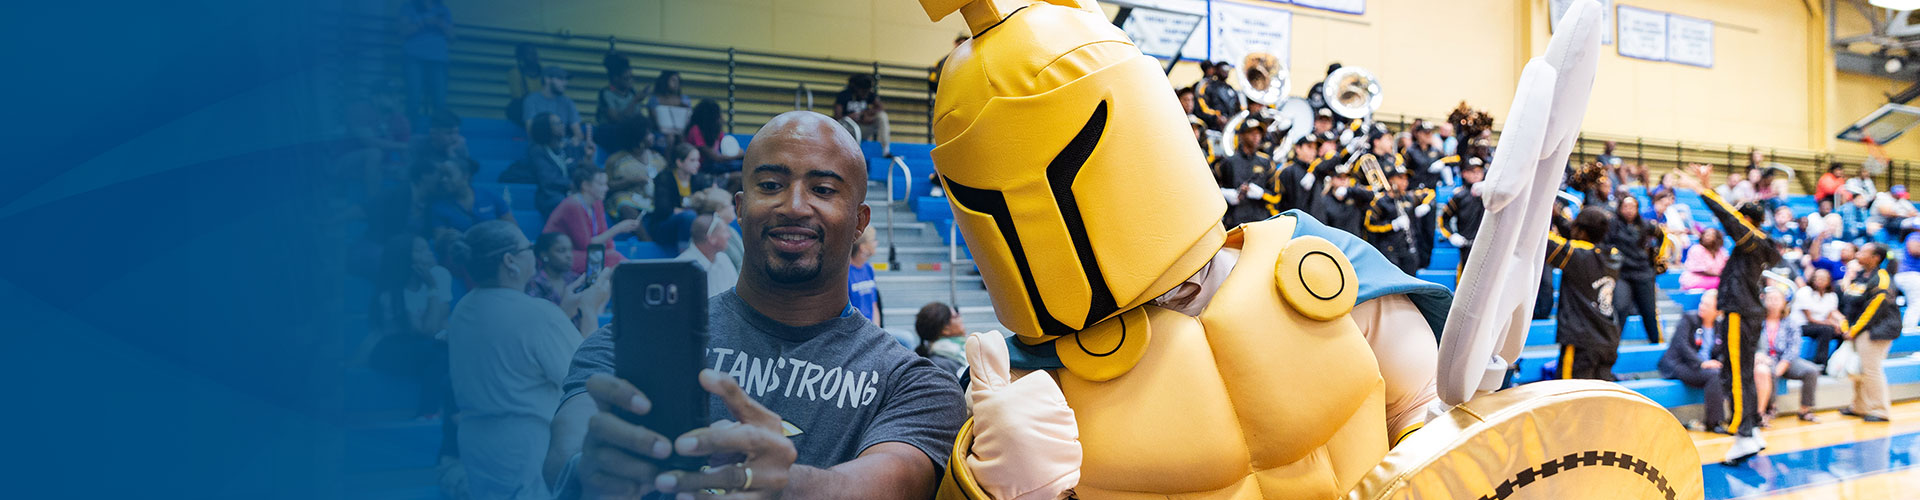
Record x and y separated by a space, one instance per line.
1839 458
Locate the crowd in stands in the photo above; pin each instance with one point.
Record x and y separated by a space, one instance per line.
488 317
1823 277
484 312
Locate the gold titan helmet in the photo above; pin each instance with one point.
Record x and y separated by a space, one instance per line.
1072 173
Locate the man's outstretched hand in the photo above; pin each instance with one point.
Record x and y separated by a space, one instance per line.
757 456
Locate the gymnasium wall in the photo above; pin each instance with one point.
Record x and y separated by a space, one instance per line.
1765 87
895 31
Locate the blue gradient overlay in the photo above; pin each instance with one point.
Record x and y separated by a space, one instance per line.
169 270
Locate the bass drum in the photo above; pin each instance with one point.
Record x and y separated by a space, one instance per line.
1295 115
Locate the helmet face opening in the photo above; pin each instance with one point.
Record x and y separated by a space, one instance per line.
1060 173
1073 181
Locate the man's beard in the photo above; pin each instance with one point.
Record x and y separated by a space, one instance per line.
788 272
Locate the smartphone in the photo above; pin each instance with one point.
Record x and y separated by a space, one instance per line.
596 259
659 345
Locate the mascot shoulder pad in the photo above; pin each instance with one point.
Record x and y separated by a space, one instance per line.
1378 277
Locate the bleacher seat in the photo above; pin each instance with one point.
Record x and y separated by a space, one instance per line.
520 197
1445 258
932 208
489 129
530 223
1632 359
1688 300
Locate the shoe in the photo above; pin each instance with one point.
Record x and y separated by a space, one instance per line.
1744 448
1873 418
1849 412
1807 416
1720 429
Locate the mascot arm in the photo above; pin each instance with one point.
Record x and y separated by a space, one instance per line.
1022 443
1403 344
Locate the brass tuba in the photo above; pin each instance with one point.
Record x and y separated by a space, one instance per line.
1352 93
1261 79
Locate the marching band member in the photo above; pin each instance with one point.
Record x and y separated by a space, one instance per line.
1389 222
1460 217
1241 176
1292 186
1589 341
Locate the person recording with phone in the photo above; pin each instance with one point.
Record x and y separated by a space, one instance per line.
809 399
555 281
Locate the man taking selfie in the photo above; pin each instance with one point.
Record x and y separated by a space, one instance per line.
810 400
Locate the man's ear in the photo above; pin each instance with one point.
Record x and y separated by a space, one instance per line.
865 217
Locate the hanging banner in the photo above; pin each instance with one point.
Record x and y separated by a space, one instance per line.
1557 7
1689 40
1237 29
1642 33
1162 34
1355 7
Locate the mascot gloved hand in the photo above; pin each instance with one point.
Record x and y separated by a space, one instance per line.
1038 459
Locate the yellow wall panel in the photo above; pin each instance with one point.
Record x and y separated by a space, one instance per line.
1429 56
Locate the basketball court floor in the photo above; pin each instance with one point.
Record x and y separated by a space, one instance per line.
1838 458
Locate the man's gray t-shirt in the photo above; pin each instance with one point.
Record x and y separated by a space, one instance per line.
841 386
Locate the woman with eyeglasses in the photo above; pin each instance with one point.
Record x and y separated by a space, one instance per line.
508 353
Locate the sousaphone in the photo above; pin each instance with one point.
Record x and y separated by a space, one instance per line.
1352 93
1261 79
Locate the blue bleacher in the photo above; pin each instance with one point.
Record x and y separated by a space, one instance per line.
530 222
489 129
1445 258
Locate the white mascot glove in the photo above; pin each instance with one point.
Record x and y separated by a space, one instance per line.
1459 241
1026 444
1231 195
1422 210
1486 325
1401 223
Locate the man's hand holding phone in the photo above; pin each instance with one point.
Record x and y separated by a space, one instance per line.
756 456
611 457
618 457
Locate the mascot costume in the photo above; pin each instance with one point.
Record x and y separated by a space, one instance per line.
1159 355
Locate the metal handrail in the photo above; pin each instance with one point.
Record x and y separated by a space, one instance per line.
953 264
893 253
567 34
798 92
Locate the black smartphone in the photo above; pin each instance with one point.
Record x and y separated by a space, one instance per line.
659 345
596 259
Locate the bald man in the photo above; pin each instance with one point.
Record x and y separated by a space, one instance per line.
810 400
